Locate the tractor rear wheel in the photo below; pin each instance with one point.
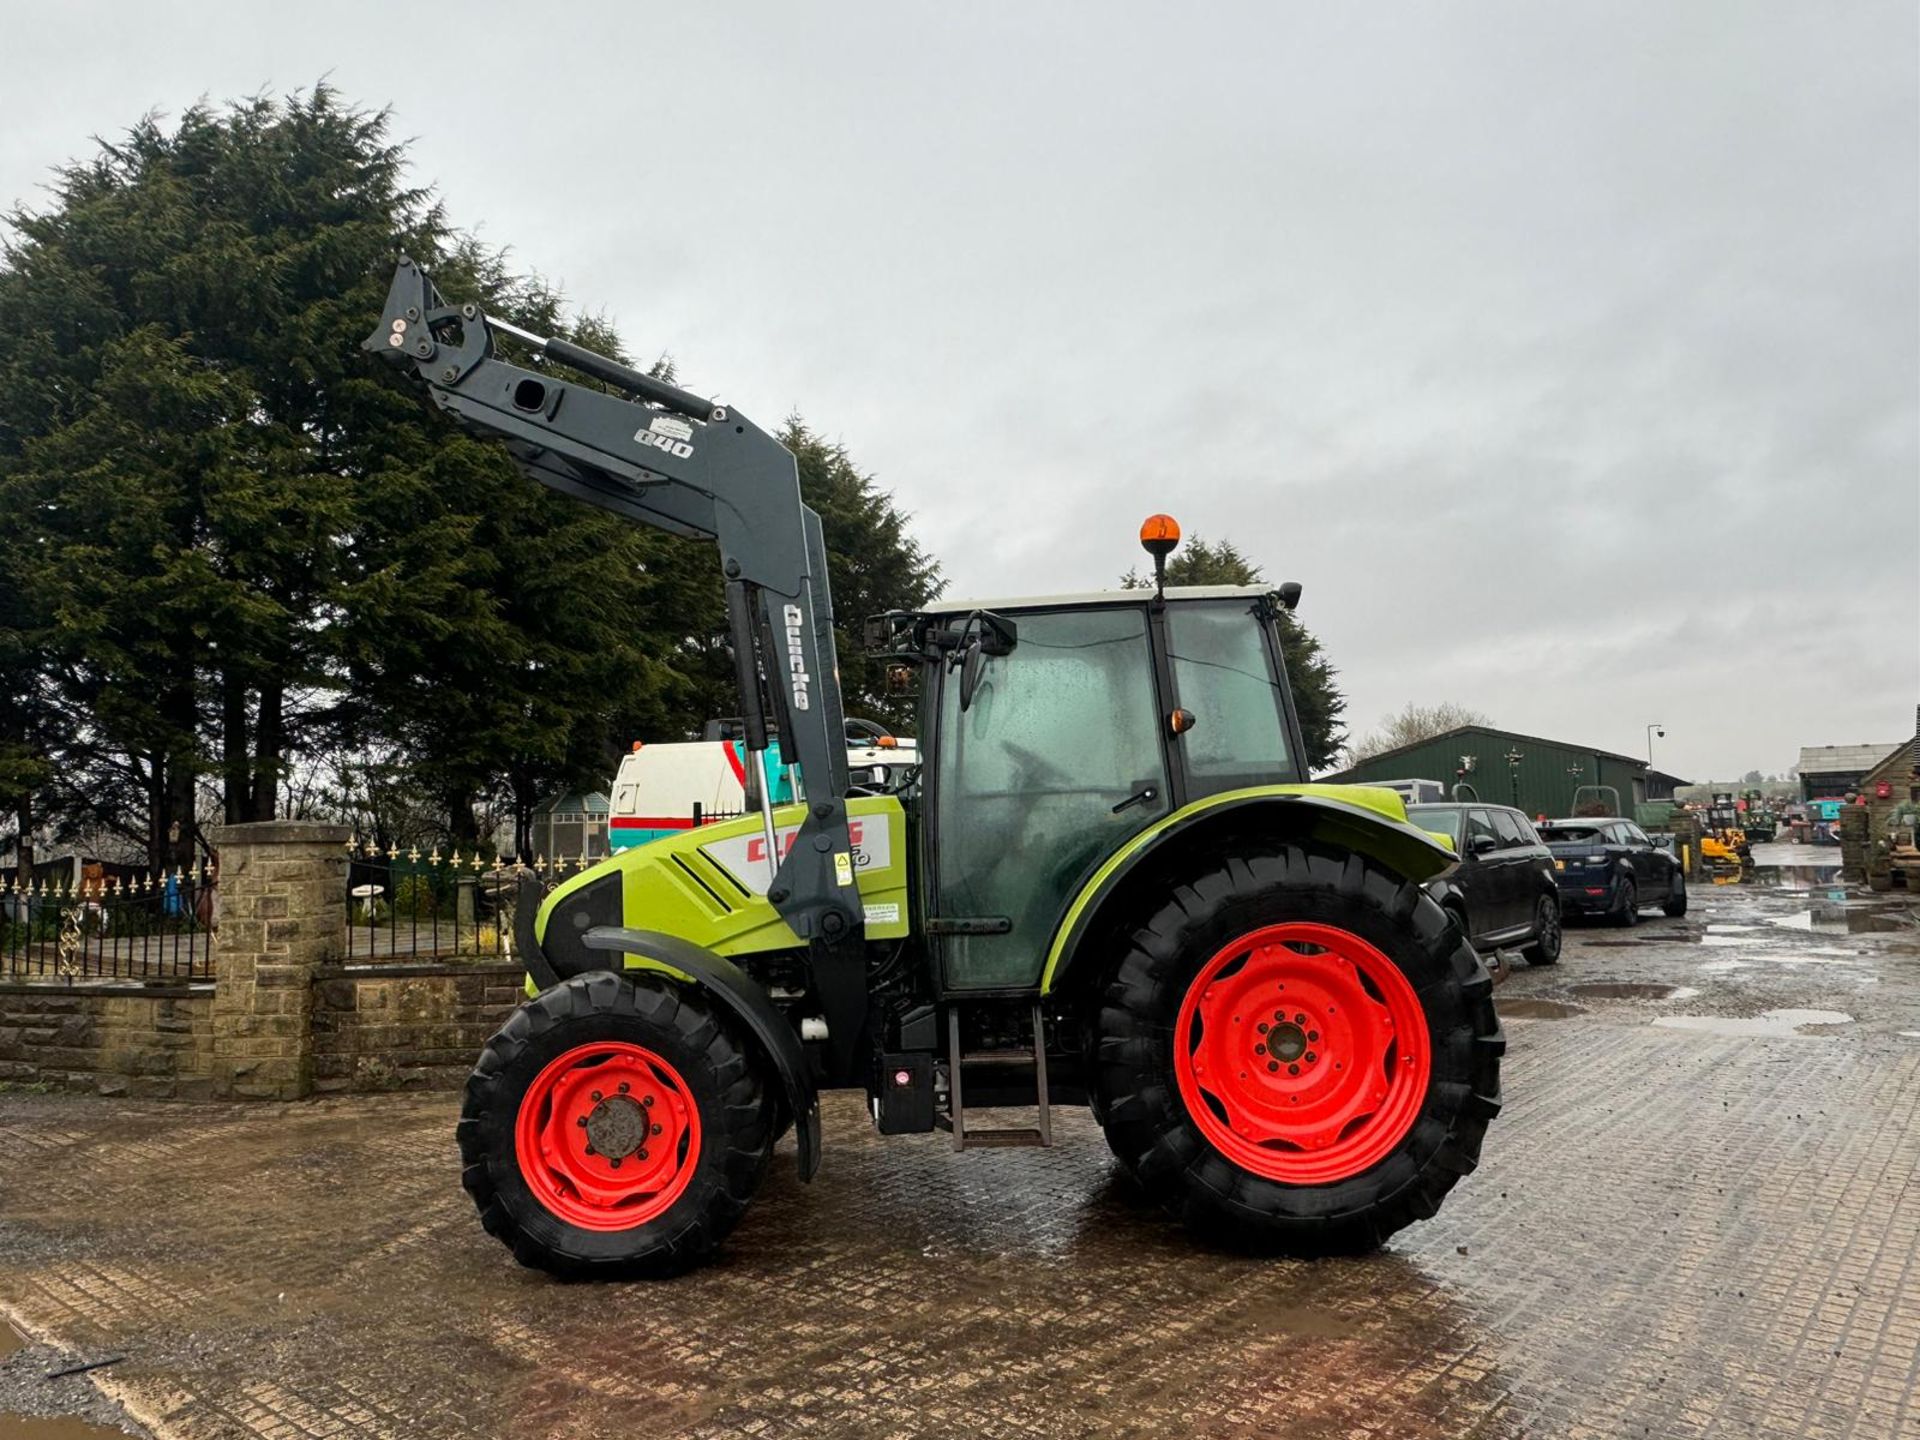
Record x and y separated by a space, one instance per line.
1298 1051
615 1126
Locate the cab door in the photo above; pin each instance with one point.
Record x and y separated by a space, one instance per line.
1058 760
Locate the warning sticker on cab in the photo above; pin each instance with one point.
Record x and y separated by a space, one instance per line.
888 914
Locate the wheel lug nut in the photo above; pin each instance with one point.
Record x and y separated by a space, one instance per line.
1263 1027
591 1150
647 1100
596 1095
614 1163
1313 1034
641 1154
1273 1064
1310 1057
1259 1049
581 1122
1299 1019
1293 1069
625 1087
656 1129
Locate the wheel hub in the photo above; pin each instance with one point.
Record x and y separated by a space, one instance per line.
608 1136
1299 1053
1286 1042
617 1126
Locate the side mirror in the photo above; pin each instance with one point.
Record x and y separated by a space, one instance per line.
1481 844
970 670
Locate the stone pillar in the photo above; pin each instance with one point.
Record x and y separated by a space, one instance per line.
281 913
1853 844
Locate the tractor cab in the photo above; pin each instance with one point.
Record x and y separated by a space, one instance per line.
1058 729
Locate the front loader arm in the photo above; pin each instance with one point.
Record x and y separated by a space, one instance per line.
662 456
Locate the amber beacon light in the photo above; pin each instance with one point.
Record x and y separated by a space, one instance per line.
1159 534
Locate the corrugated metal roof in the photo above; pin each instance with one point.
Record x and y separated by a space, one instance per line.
1508 735
1844 759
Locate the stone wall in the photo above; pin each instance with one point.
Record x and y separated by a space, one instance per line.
283 1018
406 1027
149 1042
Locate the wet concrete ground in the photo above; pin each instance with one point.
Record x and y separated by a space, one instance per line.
1698 1216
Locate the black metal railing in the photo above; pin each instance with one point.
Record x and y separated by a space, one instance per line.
123 925
408 905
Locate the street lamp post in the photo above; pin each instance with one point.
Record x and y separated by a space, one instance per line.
1656 728
1514 757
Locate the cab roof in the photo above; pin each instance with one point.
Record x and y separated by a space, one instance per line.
1097 597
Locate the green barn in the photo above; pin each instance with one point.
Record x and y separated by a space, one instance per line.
1533 774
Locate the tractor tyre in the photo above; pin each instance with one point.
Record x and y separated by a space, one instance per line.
1675 904
615 1126
1629 912
1297 1051
1544 948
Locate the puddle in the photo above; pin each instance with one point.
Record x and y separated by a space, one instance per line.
1725 940
1311 1321
1684 992
55 1427
1769 1023
1624 990
1733 929
1722 967
1536 1009
1844 920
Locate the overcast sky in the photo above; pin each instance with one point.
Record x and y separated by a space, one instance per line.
1568 355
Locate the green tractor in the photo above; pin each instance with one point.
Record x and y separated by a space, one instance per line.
1108 883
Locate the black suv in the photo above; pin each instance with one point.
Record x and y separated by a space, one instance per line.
1503 891
1608 866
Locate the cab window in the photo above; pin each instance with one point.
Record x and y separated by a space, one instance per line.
1478 825
1507 825
1223 674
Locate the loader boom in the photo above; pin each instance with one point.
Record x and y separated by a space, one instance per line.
661 456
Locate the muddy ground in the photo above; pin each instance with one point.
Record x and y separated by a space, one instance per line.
1697 1216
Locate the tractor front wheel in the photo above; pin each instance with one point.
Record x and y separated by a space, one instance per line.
615 1125
1298 1051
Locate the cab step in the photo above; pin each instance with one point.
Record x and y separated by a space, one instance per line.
967 1137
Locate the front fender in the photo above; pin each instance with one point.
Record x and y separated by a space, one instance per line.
690 964
1362 818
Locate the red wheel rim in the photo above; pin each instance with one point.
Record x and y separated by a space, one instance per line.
1301 1053
607 1136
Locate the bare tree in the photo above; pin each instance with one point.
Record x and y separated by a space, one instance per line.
1412 725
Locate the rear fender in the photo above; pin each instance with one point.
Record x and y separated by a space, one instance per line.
1361 818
